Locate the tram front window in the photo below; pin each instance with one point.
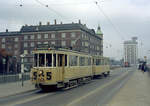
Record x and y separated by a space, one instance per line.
48 60
35 60
41 60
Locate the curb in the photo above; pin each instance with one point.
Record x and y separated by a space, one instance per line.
23 92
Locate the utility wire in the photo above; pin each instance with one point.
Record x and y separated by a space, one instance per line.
109 20
50 9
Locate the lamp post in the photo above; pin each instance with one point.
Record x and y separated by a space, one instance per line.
22 68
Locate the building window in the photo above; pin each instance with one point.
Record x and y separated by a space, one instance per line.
3 46
63 43
16 39
15 52
3 39
72 43
39 43
31 60
73 35
63 35
45 42
25 52
86 44
25 37
9 47
53 42
25 44
83 43
16 46
45 36
32 37
39 36
32 44
25 60
83 36
53 35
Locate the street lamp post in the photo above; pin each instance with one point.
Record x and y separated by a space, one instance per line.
22 68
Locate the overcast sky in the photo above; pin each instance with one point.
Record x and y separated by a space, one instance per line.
123 19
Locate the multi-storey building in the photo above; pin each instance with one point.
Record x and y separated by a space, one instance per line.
131 51
74 35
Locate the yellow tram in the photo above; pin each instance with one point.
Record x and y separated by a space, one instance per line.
64 68
100 66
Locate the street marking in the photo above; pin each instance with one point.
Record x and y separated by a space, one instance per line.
96 90
29 99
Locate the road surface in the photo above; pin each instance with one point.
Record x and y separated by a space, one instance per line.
96 93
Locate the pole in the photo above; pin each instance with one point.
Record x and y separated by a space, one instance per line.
22 69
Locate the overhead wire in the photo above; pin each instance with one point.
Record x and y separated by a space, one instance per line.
109 20
51 9
47 6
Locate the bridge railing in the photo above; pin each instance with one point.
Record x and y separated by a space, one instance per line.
4 78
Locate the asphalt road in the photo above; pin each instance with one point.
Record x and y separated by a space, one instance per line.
96 93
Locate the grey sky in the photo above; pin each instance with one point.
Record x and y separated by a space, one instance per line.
130 17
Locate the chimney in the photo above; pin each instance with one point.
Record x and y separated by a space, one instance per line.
48 23
79 21
61 23
6 30
40 23
55 21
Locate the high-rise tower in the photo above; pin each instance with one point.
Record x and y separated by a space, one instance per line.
131 51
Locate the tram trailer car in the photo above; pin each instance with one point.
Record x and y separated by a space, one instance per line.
100 66
61 68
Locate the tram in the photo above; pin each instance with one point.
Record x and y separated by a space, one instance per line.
62 68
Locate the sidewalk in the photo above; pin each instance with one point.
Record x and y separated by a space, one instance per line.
15 88
136 92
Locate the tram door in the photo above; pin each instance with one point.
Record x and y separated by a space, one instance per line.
61 66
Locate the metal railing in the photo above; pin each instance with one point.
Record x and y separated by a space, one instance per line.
4 78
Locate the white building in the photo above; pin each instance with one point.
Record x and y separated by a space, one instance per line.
131 51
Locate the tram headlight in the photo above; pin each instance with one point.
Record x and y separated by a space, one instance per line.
41 73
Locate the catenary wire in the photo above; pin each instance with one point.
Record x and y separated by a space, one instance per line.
109 20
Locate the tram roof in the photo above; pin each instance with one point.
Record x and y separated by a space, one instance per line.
44 48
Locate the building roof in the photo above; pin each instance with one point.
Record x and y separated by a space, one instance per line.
130 42
57 27
9 33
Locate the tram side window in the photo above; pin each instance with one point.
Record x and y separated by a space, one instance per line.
41 60
35 60
89 61
94 62
73 60
86 61
49 60
54 56
82 61
98 62
60 60
60 57
65 60
102 61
